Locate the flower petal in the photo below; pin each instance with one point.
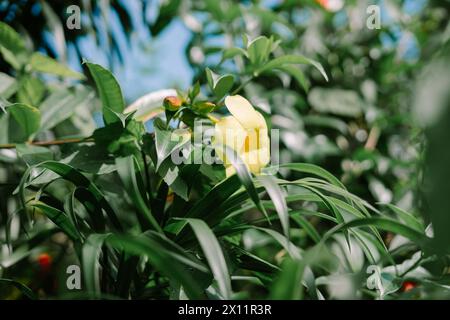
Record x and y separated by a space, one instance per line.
244 112
228 131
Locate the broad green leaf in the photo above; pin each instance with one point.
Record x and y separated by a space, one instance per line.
109 91
59 218
27 117
223 85
288 60
31 90
61 105
11 40
45 64
214 255
258 50
167 141
8 85
219 85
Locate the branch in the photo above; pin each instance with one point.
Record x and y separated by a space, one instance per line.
49 143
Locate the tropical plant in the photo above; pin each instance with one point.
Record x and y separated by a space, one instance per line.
146 217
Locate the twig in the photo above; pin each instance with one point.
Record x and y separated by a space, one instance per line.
49 143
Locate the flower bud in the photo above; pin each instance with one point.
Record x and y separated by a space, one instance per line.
172 103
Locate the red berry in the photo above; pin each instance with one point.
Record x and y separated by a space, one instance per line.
44 261
408 286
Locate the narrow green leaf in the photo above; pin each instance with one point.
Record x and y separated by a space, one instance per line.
27 292
59 218
315 170
244 176
161 260
127 172
384 224
69 173
288 284
214 255
407 218
90 260
276 195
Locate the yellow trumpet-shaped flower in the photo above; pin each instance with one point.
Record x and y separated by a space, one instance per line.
245 131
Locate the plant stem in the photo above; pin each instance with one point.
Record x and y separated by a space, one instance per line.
243 84
49 143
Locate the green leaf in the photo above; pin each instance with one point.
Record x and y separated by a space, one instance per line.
45 64
33 155
245 177
407 218
128 174
223 85
258 50
218 194
297 74
288 284
384 224
59 218
31 90
315 170
11 40
276 195
90 261
291 59
161 260
219 85
61 105
8 85
233 52
167 141
214 255
27 292
109 91
308 227
69 173
28 117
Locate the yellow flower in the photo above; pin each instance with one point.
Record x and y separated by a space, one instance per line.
245 131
